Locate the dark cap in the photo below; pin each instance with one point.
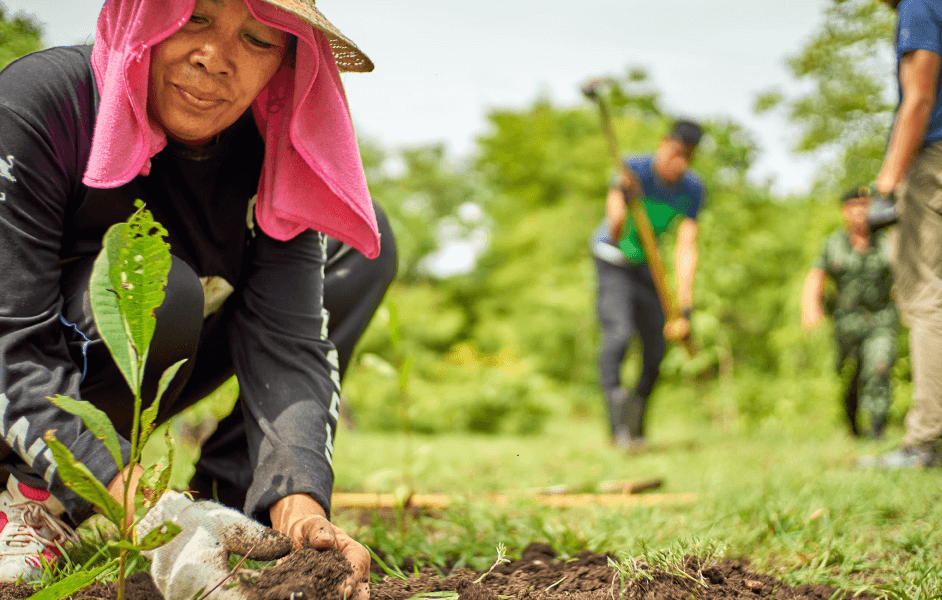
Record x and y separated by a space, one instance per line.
687 132
861 191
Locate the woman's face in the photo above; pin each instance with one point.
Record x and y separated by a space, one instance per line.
205 76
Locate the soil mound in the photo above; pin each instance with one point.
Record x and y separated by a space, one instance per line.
539 576
308 574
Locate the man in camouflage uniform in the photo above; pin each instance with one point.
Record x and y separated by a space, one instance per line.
865 318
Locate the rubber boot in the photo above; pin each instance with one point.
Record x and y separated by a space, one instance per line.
850 406
877 425
617 399
635 408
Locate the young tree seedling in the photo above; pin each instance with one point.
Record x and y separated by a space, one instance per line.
126 288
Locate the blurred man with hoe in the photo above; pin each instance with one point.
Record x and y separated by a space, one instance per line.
865 319
628 301
911 177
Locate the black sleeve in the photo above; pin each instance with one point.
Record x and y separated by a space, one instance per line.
44 130
288 371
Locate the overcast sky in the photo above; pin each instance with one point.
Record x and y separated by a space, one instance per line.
440 64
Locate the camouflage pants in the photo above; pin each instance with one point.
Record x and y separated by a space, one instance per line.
873 353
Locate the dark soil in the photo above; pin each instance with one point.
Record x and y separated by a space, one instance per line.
305 575
311 575
138 587
539 576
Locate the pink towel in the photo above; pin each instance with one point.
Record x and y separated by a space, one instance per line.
312 177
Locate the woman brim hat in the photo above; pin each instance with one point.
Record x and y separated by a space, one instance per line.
346 54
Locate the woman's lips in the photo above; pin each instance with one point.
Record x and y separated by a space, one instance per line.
197 99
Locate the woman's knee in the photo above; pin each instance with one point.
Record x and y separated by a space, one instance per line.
180 315
387 263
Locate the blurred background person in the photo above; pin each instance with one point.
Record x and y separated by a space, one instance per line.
627 299
865 318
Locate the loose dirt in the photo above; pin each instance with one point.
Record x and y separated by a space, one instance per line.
305 575
537 575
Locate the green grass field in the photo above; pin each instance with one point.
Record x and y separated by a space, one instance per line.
783 493
787 498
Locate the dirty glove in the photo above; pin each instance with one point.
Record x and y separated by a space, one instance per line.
198 558
882 212
303 520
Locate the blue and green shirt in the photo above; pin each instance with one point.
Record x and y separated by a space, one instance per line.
665 205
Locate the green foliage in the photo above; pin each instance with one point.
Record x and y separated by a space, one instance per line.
788 498
126 288
19 35
80 480
849 104
423 203
95 421
501 348
68 586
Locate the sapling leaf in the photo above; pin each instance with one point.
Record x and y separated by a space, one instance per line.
155 539
149 416
71 584
80 480
104 299
96 421
145 264
163 482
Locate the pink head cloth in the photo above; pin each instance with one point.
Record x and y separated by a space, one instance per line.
312 177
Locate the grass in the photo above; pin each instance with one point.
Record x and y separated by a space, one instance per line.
787 496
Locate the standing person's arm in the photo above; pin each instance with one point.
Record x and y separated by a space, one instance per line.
685 262
919 74
615 212
616 203
811 294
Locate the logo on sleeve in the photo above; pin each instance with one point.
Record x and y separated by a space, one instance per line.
6 168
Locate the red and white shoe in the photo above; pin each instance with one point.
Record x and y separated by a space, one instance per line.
30 528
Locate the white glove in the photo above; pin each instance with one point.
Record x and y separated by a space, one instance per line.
198 558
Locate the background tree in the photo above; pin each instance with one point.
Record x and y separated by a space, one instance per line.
515 339
848 107
19 35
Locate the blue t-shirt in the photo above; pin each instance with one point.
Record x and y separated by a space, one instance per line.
920 28
665 205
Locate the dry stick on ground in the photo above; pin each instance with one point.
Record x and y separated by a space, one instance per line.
441 501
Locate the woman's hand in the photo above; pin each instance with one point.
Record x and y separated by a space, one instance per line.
302 519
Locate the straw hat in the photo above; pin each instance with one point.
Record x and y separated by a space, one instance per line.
346 53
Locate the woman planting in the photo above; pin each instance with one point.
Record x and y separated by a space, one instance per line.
228 118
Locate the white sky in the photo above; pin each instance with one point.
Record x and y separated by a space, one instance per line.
440 64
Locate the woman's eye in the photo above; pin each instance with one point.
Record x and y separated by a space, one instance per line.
259 43
198 19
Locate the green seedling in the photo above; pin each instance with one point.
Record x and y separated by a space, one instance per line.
501 559
127 287
447 595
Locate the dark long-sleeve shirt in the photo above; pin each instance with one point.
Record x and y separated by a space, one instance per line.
286 366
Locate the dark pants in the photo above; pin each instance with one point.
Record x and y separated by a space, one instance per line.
353 290
628 304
